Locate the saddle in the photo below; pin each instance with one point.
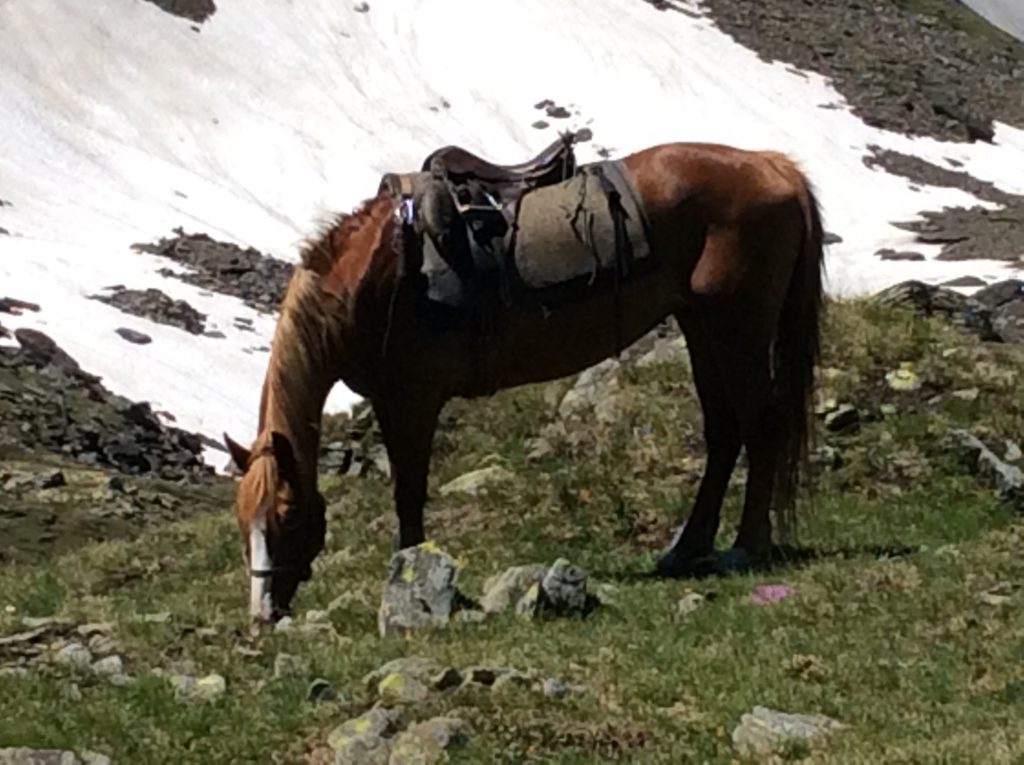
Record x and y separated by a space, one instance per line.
460 220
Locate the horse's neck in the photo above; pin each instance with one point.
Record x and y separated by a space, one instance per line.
292 403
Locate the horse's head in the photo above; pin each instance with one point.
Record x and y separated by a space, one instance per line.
281 519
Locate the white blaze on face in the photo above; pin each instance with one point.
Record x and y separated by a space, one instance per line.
259 561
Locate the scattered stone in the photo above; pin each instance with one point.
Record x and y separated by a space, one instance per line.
477 482
74 655
966 394
844 417
504 589
555 688
470 616
284 624
317 617
208 688
425 743
595 387
365 740
109 665
983 462
665 351
161 617
931 300
156 306
904 379
286 665
562 592
689 603
361 7
419 591
321 690
418 667
134 336
47 479
1008 321
891 254
258 280
397 689
764 732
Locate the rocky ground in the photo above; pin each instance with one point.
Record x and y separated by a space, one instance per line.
255 278
918 67
530 631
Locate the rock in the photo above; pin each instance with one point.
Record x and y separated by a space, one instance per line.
286 665
26 756
904 378
162 617
983 462
845 417
929 299
396 689
966 394
365 739
501 591
208 688
563 591
109 665
417 667
134 336
321 690
317 617
470 616
891 254
527 605
94 758
284 624
47 479
447 678
156 306
74 655
419 592
689 603
665 351
555 688
425 743
1008 321
994 295
594 385
763 731
477 482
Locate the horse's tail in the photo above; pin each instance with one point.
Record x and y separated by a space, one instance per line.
796 352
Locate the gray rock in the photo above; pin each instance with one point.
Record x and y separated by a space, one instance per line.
284 624
109 665
983 462
161 617
418 667
208 688
419 592
562 592
286 665
594 385
321 690
74 655
689 603
26 756
1008 321
365 739
555 688
501 591
764 731
888 253
134 336
425 743
396 689
843 418
666 350
317 617
477 482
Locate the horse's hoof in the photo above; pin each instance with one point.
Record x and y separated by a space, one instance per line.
675 565
733 561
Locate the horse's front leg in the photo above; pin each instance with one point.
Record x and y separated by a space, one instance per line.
408 420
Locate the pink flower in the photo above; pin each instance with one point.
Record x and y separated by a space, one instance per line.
764 594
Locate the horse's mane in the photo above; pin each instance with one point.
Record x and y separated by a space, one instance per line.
305 337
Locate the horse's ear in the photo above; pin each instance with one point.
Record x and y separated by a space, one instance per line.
239 454
287 466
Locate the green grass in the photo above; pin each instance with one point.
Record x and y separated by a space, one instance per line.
886 630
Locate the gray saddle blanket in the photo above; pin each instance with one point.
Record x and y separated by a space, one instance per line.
555 242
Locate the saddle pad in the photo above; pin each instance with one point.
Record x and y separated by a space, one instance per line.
566 232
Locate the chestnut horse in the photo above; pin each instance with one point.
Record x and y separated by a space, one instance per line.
735 237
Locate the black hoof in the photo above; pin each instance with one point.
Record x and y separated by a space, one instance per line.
675 565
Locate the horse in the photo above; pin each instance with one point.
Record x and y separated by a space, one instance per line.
736 257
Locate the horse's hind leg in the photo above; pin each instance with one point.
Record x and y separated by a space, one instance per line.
696 540
407 422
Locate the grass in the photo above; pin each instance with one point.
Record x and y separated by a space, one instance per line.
888 629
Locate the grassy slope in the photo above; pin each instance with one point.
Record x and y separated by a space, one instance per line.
896 645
